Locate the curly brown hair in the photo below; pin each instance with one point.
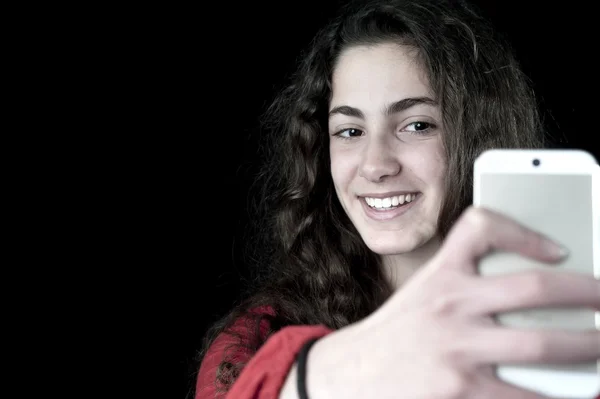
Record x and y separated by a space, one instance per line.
312 265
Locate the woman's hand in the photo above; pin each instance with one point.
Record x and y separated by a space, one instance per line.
435 337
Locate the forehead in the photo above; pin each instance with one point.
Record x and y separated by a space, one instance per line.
374 73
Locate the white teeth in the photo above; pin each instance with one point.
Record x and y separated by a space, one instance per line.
390 202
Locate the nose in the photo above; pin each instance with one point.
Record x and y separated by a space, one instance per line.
378 161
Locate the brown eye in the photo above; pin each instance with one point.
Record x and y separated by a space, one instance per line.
418 127
349 133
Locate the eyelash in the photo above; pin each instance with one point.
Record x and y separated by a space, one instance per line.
429 127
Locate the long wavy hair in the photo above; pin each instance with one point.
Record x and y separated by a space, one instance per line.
312 265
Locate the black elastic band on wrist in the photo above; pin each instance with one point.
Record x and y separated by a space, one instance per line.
301 367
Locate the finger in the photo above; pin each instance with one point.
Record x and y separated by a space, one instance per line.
480 231
501 345
534 289
495 388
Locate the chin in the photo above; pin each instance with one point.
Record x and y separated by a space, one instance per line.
396 243
391 246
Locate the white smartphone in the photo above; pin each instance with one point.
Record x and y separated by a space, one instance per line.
555 192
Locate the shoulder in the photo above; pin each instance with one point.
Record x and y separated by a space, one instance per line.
266 372
249 355
245 332
235 345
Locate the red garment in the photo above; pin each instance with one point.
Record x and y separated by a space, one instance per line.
266 370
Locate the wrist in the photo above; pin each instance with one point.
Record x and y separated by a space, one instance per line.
331 367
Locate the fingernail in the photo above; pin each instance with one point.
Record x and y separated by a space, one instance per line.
555 250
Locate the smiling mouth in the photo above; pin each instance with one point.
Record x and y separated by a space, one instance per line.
389 203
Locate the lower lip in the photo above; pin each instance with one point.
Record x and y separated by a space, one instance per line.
390 213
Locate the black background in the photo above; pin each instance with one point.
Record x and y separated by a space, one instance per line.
222 65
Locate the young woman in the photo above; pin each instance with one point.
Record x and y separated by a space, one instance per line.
374 245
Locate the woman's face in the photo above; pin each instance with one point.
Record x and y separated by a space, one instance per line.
387 161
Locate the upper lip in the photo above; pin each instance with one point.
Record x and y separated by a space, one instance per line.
388 194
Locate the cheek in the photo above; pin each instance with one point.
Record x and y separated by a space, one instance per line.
436 182
339 184
438 173
435 169
341 170
339 177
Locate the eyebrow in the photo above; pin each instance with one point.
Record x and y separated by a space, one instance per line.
392 108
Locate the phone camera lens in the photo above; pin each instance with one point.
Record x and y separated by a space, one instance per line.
536 162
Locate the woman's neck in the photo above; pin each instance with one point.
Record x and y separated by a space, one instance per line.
399 268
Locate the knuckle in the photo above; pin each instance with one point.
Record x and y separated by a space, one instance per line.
457 386
535 285
477 219
535 348
456 355
445 305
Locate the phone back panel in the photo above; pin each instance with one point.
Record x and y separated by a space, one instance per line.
562 206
